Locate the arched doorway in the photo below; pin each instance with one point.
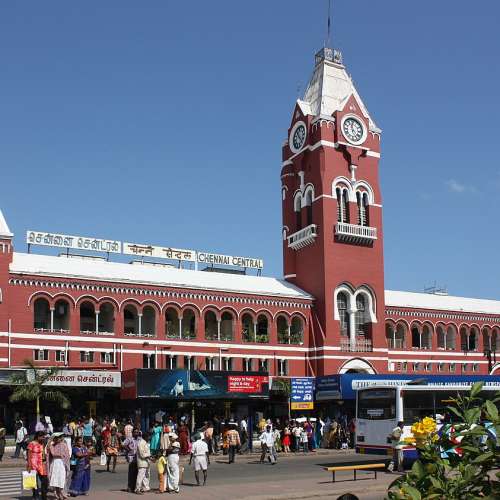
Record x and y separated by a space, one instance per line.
357 365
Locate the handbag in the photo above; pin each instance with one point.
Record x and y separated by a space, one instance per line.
103 459
29 480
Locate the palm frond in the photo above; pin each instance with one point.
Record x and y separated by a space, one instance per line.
57 397
27 392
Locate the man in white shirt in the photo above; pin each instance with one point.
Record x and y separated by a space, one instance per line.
267 444
21 435
200 459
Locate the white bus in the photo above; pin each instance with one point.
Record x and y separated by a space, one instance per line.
379 409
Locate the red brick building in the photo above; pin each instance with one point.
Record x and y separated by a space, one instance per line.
330 314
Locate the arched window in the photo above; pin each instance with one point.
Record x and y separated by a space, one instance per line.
226 326
495 340
172 323
148 324
362 200
441 337
486 339
61 315
309 207
342 205
188 324
362 317
451 336
107 318
426 342
343 314
464 339
298 215
473 341
282 327
297 331
130 320
211 326
262 329
248 328
41 320
87 317
416 338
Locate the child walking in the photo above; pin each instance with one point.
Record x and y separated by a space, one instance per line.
161 466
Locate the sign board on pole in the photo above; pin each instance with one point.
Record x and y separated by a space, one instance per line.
302 393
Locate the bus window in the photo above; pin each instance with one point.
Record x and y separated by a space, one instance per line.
417 405
377 404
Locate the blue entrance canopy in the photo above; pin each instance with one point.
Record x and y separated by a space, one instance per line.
344 386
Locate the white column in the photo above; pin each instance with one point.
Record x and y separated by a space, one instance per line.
97 321
352 328
180 328
218 329
51 319
288 328
139 316
254 331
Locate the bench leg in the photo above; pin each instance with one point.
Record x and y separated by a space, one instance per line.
354 474
375 473
333 476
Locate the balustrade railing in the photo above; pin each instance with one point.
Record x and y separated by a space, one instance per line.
360 345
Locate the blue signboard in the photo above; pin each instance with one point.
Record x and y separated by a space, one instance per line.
344 386
302 390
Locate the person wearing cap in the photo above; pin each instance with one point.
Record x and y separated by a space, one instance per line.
200 459
173 468
397 448
233 441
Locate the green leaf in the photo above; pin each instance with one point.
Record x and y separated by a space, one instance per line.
492 410
476 389
457 412
472 415
418 469
484 457
413 492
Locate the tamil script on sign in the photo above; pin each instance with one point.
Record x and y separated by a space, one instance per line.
76 242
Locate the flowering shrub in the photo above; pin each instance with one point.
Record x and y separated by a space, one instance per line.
457 462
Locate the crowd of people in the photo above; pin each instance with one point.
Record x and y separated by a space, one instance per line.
62 460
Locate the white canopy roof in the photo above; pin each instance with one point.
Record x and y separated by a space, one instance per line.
441 302
47 265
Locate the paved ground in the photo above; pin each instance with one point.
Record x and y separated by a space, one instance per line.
293 477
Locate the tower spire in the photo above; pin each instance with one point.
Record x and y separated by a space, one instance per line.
329 25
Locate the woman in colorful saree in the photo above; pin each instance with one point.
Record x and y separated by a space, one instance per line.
80 482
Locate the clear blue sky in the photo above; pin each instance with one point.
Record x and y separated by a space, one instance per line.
162 122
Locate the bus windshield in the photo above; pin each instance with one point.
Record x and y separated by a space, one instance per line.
377 404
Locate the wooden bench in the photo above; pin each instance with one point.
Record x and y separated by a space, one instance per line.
354 468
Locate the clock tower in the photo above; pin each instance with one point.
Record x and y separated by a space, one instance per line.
332 219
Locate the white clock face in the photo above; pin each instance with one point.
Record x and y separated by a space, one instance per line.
353 130
298 137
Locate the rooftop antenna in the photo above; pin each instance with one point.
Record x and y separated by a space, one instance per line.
329 25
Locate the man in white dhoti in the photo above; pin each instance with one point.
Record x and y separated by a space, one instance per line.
200 459
173 468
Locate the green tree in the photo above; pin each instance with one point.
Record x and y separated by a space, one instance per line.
459 463
33 388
